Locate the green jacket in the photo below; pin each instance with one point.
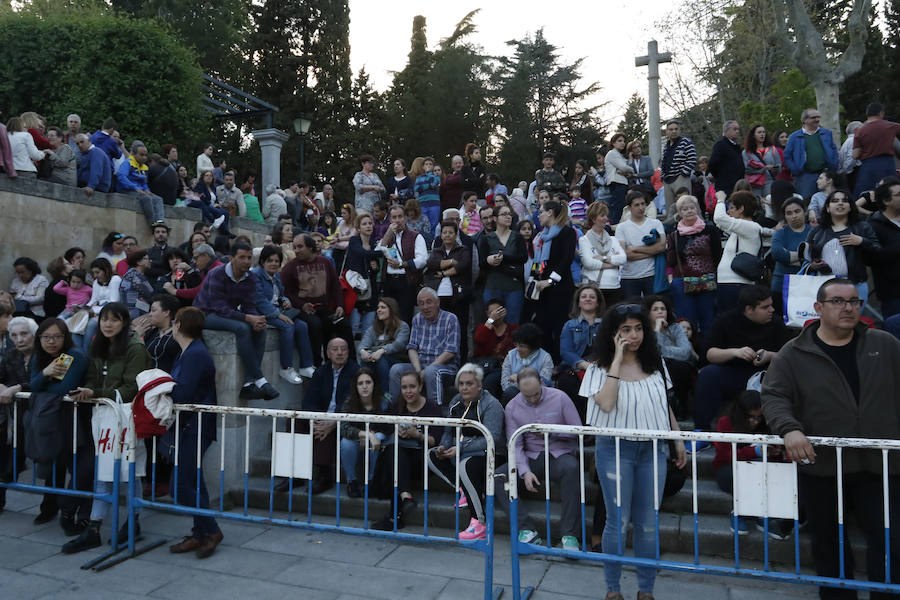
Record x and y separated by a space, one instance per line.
805 390
121 372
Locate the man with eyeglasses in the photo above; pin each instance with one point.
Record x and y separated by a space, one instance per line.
839 378
809 151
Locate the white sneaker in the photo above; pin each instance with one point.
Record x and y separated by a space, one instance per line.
290 375
306 372
218 222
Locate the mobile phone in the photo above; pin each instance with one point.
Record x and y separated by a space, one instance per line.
66 361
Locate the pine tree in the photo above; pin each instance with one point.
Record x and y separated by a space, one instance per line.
892 58
634 123
408 95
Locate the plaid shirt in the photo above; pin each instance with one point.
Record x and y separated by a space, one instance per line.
431 338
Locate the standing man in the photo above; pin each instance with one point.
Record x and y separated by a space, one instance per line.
725 161
406 253
839 378
549 178
642 239
63 164
678 161
103 139
95 168
873 145
132 179
73 125
228 297
809 151
314 288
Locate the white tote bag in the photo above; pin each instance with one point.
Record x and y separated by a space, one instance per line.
799 292
103 426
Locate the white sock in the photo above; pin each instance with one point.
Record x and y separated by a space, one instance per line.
261 382
247 384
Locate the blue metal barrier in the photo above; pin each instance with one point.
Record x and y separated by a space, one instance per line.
795 575
111 498
485 546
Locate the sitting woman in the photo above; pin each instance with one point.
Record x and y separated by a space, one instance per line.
365 398
493 341
527 353
576 342
117 356
28 288
210 209
135 290
272 304
675 348
104 290
745 416
411 442
156 332
14 361
475 403
384 343
785 244
50 373
179 272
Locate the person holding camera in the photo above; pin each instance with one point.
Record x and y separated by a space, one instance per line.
313 286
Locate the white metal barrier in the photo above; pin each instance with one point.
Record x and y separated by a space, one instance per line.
769 486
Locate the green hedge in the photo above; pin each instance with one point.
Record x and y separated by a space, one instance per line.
100 66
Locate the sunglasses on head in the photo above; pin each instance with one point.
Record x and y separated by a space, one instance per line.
629 309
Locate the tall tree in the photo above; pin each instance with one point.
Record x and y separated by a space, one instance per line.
542 104
805 45
634 123
892 57
409 93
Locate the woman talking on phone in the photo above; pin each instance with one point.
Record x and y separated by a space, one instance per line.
626 388
117 356
57 367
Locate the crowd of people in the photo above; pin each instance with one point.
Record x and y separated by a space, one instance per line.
619 294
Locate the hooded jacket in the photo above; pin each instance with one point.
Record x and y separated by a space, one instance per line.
805 390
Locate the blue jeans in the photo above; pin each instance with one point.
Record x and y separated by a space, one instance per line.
635 288
635 475
84 340
152 205
187 485
716 385
250 344
290 337
432 377
617 202
699 309
211 213
351 450
360 322
382 369
871 171
513 299
805 184
432 210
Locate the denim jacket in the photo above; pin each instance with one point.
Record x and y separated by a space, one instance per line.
576 336
266 288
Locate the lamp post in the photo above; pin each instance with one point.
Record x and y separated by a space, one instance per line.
301 127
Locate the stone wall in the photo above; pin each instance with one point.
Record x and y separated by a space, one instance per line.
41 220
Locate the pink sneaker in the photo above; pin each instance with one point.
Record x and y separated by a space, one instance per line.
475 531
463 501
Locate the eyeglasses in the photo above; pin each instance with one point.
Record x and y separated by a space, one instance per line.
839 302
629 309
52 338
505 214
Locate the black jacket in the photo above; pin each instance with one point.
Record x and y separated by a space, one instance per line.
318 394
857 256
726 164
462 281
884 261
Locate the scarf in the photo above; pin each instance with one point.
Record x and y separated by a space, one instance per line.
602 243
698 226
545 240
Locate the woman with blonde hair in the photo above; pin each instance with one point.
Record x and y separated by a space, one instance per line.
551 284
601 255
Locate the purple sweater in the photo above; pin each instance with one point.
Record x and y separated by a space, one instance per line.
554 408
221 295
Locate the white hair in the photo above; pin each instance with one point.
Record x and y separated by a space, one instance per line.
470 369
29 324
75 116
728 124
428 292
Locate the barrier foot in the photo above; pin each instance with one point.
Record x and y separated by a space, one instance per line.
498 591
526 594
91 564
123 558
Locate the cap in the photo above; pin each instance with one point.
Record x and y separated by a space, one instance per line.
160 224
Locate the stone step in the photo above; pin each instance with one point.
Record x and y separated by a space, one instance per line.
676 530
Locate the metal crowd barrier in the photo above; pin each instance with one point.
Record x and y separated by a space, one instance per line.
242 513
111 498
796 575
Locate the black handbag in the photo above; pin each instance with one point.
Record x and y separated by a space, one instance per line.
750 266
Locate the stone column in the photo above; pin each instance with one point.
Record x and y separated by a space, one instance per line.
270 142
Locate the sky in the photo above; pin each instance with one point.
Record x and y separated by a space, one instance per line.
609 34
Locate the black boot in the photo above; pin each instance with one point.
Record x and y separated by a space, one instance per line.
70 525
89 538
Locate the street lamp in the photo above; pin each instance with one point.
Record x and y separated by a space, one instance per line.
301 127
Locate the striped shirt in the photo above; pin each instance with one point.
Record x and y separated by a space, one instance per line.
641 404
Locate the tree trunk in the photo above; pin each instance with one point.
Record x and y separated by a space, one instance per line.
828 103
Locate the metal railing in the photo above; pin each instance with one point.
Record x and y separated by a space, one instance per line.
111 498
244 417
797 574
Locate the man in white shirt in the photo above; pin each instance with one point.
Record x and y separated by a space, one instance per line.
406 254
642 239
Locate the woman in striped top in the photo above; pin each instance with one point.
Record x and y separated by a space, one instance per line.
627 386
